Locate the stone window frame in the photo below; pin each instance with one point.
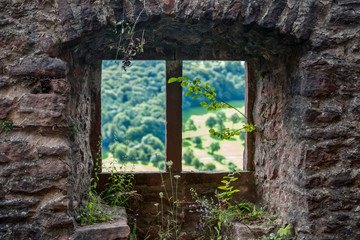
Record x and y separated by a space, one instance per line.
173 122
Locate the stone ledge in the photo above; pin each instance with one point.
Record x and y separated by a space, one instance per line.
115 230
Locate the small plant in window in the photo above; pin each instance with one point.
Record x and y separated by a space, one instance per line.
195 88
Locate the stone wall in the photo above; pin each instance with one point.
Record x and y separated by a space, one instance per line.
305 57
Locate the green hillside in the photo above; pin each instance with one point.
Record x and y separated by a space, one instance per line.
133 114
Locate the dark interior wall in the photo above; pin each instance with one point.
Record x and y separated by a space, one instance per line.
305 58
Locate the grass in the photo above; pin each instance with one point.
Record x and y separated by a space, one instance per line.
200 111
232 150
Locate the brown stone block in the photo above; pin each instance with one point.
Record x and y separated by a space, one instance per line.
317 86
32 185
52 171
40 66
45 105
56 205
344 16
274 130
311 115
271 170
57 220
6 105
320 157
53 151
338 204
118 230
339 180
330 132
5 20
14 43
14 151
60 86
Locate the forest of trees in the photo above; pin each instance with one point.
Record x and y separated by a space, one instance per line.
133 105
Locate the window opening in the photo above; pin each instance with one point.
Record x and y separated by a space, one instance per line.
200 151
133 115
146 121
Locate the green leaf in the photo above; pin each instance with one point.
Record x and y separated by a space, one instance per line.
171 80
224 181
212 89
195 97
222 187
188 94
186 78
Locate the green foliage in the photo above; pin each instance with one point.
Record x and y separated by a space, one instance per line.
218 158
214 147
197 164
256 212
244 207
190 125
211 122
227 189
73 128
129 112
209 167
195 88
235 118
116 193
7 126
119 185
282 234
197 141
232 166
214 221
94 211
188 156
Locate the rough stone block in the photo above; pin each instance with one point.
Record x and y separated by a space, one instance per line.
6 105
51 171
53 151
339 180
330 132
32 185
57 220
40 66
20 231
14 151
60 86
118 230
56 205
44 105
317 86
312 115
320 157
5 20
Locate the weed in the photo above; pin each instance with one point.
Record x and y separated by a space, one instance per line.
73 128
169 225
227 188
7 126
282 234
